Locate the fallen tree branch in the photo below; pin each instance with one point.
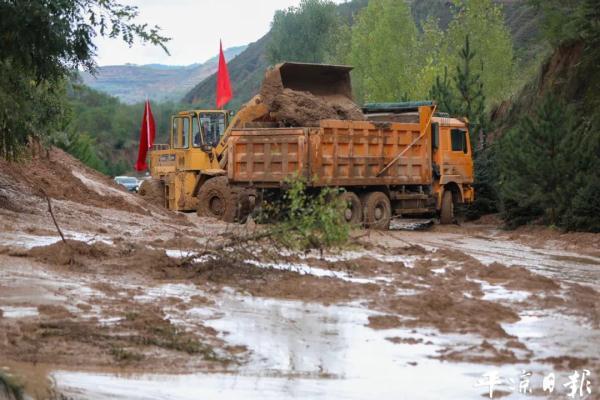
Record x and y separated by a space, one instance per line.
54 218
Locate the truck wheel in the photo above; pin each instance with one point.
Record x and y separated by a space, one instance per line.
153 191
447 211
218 199
352 212
377 210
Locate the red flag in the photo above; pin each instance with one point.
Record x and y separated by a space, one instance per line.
147 133
224 92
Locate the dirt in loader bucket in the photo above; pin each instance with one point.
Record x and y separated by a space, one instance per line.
300 94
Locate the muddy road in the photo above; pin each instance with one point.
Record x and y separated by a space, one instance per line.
126 309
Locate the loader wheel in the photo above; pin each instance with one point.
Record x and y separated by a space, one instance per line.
377 210
447 211
218 199
353 213
153 190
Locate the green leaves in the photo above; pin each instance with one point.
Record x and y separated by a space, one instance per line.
385 52
483 22
308 219
42 41
303 33
395 60
538 164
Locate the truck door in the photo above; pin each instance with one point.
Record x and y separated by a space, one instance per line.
457 164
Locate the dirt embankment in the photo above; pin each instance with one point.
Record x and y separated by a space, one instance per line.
55 173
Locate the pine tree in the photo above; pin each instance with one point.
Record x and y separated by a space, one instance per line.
442 93
470 89
537 165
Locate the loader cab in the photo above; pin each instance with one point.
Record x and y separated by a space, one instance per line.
198 129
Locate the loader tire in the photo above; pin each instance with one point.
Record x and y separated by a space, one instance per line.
447 210
377 210
353 210
218 199
153 191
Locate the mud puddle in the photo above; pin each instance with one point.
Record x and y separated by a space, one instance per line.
564 266
312 351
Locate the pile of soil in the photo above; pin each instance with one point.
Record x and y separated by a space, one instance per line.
50 171
299 108
71 252
294 108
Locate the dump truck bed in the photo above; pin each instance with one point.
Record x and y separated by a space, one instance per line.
337 153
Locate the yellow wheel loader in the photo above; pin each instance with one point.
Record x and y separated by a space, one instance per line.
189 173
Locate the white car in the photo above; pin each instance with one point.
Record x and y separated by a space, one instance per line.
130 182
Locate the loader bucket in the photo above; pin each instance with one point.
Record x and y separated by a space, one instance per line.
321 80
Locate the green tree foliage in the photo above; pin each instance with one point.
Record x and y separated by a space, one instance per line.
395 60
384 52
307 220
548 161
83 147
27 107
41 42
302 33
483 22
561 18
469 83
443 93
104 133
536 161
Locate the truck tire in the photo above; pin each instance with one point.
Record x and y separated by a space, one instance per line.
353 212
218 199
447 210
377 210
153 191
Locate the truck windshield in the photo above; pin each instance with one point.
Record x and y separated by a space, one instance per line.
213 126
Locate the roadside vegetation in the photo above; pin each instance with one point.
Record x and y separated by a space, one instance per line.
306 220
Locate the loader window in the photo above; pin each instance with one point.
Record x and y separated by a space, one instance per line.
181 132
458 139
213 127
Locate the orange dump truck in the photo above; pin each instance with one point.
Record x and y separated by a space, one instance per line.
403 161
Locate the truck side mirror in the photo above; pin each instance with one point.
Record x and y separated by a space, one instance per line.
435 135
465 143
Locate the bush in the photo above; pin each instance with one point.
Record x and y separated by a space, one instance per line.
307 220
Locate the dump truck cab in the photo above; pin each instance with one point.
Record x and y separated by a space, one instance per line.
190 153
452 159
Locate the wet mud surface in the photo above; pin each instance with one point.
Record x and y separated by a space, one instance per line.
132 307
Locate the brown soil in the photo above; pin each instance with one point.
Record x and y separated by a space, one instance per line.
514 277
153 191
144 337
452 312
50 172
71 252
483 353
297 108
294 108
384 321
567 362
112 326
